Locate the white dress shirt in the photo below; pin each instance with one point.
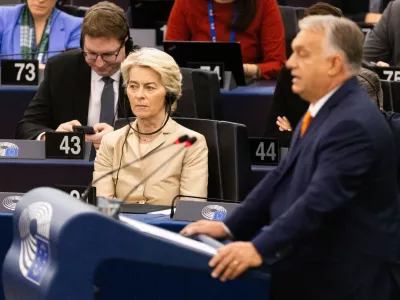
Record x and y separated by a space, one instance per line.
96 89
315 107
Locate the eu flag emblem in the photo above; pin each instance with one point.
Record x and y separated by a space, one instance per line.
41 262
13 152
219 215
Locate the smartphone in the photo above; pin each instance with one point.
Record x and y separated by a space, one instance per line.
83 129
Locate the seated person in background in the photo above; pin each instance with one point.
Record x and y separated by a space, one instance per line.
367 11
37 27
153 85
383 43
367 78
258 27
83 87
287 105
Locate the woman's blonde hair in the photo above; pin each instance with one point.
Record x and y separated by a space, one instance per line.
162 63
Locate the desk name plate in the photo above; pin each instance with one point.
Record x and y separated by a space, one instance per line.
19 72
264 151
65 145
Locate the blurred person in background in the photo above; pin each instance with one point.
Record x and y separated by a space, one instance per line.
35 28
256 24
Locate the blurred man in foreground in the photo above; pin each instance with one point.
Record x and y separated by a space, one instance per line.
331 205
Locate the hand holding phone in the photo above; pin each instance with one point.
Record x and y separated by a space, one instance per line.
84 129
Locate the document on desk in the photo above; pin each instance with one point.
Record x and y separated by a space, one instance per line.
165 212
169 236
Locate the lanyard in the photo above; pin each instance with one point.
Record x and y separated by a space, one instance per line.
212 23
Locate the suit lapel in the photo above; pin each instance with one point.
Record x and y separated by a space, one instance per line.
298 143
16 42
157 142
133 140
82 94
57 33
161 138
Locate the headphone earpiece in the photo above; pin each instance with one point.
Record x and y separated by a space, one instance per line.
170 98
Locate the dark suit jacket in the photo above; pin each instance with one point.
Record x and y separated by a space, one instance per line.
331 205
393 120
284 103
383 43
63 96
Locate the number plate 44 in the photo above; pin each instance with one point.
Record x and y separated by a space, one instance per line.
264 151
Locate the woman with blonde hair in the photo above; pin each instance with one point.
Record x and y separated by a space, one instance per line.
153 81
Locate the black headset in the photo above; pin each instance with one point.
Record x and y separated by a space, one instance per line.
129 45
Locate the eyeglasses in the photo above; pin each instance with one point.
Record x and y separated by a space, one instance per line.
105 56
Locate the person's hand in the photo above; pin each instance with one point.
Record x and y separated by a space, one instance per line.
382 64
372 18
251 70
283 124
211 228
67 127
233 259
101 130
42 66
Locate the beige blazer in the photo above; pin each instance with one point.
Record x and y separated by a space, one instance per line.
186 173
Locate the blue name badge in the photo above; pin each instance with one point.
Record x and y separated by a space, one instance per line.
39 266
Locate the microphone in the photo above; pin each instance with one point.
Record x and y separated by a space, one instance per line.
188 144
32 53
171 215
182 139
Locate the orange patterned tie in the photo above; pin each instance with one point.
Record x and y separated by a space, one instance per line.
306 121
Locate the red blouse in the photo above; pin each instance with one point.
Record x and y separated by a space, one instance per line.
263 43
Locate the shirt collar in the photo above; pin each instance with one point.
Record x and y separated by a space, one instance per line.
116 76
315 107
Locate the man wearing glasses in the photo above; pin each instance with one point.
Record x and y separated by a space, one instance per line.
83 86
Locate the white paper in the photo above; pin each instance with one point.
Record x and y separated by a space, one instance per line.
161 212
170 236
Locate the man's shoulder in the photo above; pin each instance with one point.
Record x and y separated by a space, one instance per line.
67 57
11 8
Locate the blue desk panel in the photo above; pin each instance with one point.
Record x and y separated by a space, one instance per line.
161 281
247 105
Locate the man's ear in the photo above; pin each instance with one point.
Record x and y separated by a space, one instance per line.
337 64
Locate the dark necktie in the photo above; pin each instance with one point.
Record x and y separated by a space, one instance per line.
107 102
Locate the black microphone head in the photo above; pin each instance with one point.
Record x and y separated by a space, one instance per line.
191 141
182 139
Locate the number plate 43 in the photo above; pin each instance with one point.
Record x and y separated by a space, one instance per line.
65 145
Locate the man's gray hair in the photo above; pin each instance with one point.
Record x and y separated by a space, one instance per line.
372 84
341 35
